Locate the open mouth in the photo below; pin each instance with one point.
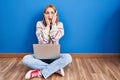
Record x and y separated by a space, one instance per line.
50 18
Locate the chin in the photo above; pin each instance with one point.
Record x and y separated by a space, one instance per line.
50 22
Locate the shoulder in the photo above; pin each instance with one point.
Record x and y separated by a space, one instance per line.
40 23
60 23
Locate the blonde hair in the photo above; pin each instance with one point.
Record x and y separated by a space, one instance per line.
53 7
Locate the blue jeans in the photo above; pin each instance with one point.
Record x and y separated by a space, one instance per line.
47 69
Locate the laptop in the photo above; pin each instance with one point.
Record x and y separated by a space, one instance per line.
46 51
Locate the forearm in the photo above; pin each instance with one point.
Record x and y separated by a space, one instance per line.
56 32
42 33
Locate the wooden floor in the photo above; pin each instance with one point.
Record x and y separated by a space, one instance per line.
79 69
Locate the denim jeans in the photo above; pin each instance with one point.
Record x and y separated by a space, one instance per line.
47 67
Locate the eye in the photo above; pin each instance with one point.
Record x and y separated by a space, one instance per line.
52 12
47 12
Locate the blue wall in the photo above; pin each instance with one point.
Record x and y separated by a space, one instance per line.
91 26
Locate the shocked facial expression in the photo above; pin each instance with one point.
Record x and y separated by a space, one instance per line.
50 13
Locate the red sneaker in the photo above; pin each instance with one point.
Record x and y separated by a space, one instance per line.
61 72
33 73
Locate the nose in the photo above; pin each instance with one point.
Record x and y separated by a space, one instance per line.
50 15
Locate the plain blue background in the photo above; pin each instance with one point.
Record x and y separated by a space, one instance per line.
91 26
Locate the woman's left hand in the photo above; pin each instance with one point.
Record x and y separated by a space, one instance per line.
54 18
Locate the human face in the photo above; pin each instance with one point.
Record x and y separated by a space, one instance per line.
50 13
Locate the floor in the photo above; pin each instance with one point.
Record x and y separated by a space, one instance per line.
79 69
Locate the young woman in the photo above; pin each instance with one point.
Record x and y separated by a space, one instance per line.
48 31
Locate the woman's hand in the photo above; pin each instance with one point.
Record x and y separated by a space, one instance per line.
54 18
47 20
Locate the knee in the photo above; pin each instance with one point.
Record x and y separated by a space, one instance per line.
25 59
68 58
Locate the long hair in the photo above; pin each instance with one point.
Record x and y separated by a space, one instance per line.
53 7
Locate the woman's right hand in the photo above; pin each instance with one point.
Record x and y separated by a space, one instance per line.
47 20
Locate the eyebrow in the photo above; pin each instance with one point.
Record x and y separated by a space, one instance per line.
49 11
